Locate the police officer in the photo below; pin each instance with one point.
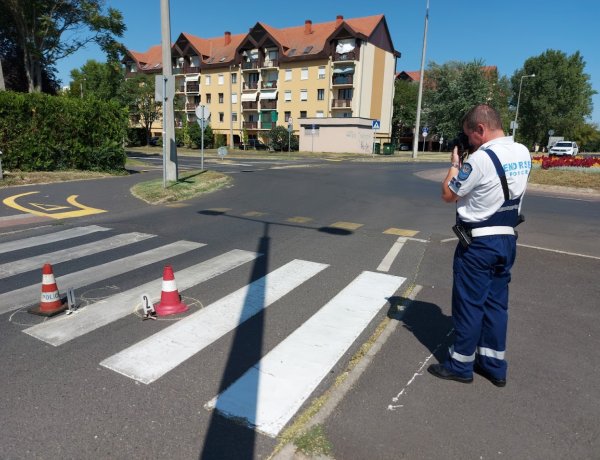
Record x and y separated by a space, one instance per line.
487 188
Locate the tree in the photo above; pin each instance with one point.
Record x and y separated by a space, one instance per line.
41 25
137 94
97 79
405 109
278 138
559 97
455 87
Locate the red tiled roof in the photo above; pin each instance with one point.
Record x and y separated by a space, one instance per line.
215 48
150 60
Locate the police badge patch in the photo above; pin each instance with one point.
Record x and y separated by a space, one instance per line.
465 171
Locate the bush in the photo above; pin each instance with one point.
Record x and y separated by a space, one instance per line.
39 132
278 139
136 137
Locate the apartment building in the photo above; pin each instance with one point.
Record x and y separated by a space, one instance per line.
269 76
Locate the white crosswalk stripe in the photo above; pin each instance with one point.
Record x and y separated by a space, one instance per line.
64 255
49 238
179 342
63 329
270 392
29 295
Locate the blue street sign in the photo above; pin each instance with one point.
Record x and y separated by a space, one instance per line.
376 124
425 131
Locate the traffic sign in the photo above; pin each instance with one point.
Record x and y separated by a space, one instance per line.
375 124
203 111
202 122
425 131
169 83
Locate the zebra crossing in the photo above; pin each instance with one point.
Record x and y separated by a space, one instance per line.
270 392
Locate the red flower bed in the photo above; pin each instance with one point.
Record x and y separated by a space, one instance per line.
555 162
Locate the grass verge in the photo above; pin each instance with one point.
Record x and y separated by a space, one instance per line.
13 178
189 185
565 178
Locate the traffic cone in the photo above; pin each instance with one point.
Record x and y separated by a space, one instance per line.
50 303
170 300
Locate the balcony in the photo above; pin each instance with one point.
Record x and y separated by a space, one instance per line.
180 89
267 124
268 104
269 63
190 69
190 106
250 85
341 103
250 65
251 105
268 84
193 87
349 56
177 70
250 124
343 79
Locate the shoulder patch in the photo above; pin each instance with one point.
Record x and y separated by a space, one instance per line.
465 171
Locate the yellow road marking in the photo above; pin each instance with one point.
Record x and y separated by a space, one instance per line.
253 214
299 219
48 207
72 200
400 232
346 225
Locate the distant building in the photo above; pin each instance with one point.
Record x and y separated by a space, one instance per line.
260 79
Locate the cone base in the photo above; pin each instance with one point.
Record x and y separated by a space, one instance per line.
48 311
172 309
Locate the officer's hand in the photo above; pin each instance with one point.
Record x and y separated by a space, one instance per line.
454 156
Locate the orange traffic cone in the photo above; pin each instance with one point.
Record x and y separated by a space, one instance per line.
170 300
50 303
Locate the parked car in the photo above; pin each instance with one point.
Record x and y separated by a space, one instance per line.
404 147
254 144
154 140
564 148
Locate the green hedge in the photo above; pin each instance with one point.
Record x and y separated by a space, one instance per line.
39 132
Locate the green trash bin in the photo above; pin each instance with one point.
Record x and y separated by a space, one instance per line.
377 148
388 148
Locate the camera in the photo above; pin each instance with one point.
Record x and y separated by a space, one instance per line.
462 142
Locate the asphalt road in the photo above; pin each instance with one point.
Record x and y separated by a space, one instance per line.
341 219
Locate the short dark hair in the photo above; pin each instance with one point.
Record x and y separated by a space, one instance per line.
484 114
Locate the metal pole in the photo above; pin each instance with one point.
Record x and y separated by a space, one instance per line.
164 136
230 110
202 146
170 159
518 101
420 97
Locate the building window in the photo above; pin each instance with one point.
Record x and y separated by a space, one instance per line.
319 114
304 74
303 95
345 94
220 98
288 74
302 113
221 117
320 94
208 98
234 78
321 72
220 79
207 80
288 96
234 116
287 116
234 98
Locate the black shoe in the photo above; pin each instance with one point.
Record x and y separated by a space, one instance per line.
485 374
442 373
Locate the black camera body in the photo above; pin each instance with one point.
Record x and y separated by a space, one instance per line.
462 142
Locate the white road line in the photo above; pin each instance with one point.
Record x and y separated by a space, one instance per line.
65 328
50 238
30 295
153 357
271 392
558 252
23 265
388 260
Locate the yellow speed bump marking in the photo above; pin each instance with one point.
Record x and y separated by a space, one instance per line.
299 219
400 232
82 210
346 225
253 214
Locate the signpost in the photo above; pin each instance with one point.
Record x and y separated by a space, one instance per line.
202 117
290 129
424 132
375 126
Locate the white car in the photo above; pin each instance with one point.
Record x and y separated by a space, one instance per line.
564 148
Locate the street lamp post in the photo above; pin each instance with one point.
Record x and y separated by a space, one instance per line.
419 97
514 128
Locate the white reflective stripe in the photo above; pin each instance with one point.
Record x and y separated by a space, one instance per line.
169 286
48 279
508 208
487 231
490 353
461 358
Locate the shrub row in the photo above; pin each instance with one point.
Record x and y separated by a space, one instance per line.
39 132
558 162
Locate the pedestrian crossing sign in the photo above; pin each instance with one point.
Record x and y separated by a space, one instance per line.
376 124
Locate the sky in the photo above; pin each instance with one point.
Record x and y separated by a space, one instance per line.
504 34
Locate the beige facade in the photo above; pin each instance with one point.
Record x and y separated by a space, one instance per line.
336 135
342 69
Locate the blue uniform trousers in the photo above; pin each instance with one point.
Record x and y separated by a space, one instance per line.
480 305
